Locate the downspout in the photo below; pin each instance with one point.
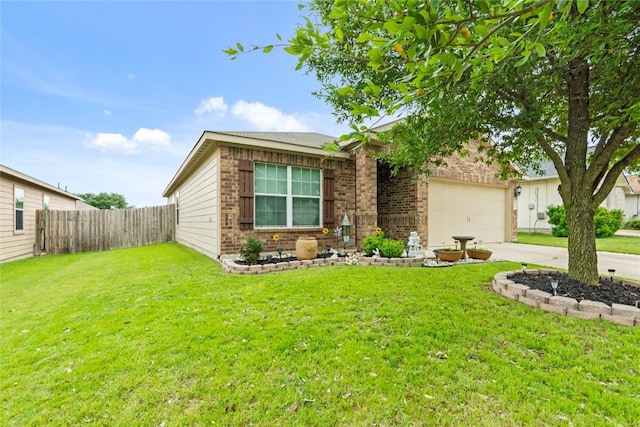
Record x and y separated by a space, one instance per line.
355 199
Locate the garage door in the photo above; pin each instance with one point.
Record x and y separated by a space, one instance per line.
466 209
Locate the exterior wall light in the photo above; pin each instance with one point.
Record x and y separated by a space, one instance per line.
518 190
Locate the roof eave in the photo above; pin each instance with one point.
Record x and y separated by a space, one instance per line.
210 140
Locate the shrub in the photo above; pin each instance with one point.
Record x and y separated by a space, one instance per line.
392 248
372 242
606 222
558 218
634 224
250 251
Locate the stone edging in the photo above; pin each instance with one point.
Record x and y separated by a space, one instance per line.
231 266
621 314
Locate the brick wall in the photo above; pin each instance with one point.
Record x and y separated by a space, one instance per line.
402 203
231 235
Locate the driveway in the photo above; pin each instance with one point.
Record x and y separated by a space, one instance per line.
627 266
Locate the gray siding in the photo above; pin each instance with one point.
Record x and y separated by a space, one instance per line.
20 244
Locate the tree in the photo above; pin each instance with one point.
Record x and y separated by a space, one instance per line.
105 200
541 79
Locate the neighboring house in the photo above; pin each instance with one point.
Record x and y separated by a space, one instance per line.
540 190
236 184
20 197
632 197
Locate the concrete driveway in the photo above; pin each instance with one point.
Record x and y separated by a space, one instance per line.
627 266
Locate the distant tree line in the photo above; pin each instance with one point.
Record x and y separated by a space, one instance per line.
105 200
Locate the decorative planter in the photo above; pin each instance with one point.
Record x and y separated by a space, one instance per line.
306 248
476 254
449 256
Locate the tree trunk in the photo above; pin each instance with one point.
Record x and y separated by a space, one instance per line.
583 259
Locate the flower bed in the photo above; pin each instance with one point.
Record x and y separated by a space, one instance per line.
235 266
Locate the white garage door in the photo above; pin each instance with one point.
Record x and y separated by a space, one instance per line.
466 209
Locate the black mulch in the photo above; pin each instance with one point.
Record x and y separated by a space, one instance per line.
607 292
276 259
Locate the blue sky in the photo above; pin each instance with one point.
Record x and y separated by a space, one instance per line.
111 96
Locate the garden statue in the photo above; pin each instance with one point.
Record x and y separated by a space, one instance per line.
413 245
376 253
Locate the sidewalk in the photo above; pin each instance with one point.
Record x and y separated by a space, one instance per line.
626 266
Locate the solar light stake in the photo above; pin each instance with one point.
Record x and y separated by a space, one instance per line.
524 267
554 285
611 273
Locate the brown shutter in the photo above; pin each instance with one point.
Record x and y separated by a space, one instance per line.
328 202
246 194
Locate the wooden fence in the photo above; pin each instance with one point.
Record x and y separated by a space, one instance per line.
62 232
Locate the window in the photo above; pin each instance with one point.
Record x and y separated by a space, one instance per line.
286 196
18 195
46 203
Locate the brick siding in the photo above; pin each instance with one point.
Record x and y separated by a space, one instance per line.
231 235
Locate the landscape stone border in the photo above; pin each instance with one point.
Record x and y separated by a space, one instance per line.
231 266
620 314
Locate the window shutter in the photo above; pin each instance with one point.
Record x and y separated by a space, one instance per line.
246 194
328 202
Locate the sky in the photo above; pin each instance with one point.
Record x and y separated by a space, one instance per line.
111 96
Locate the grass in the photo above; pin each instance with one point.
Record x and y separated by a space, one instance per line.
160 335
619 244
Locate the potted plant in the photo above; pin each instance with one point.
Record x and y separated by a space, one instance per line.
478 253
450 255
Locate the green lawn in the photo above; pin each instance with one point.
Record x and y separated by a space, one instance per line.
620 244
160 335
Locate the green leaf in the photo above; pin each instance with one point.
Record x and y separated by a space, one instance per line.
230 51
293 50
543 16
267 49
278 36
522 61
582 5
489 65
240 47
540 50
481 30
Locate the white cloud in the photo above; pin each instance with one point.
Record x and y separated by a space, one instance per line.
213 105
113 142
106 112
267 118
152 137
120 143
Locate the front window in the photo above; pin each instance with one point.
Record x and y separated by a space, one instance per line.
46 203
286 196
18 196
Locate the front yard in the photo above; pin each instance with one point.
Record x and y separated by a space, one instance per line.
618 244
160 335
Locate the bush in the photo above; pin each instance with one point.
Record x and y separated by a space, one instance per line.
392 248
250 251
558 218
372 242
606 222
634 224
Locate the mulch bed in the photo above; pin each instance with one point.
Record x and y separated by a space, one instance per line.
276 259
607 292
